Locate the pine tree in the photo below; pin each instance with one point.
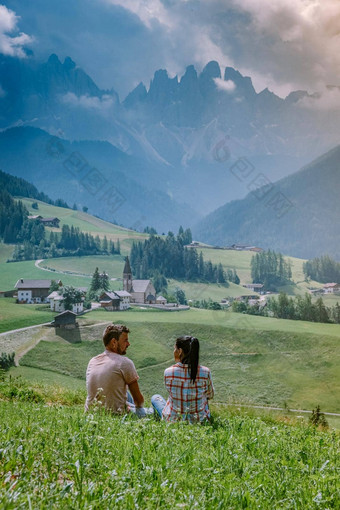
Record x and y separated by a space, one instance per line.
104 281
105 245
96 282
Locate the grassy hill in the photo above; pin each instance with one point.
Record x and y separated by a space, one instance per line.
230 259
254 360
86 223
57 457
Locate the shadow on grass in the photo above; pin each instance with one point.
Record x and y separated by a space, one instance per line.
72 336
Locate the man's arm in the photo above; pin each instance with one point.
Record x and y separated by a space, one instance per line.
136 394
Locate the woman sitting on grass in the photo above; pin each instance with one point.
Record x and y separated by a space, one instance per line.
188 383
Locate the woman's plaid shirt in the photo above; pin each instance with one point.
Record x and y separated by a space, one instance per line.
187 400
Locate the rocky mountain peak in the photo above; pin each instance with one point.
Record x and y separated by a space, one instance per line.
211 70
53 60
69 64
138 95
244 85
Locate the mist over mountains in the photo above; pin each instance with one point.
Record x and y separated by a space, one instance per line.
298 215
167 148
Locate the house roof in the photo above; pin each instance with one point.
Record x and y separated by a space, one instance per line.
50 219
24 283
122 293
34 217
67 312
161 298
330 285
110 295
140 285
55 295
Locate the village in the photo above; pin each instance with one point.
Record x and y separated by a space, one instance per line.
136 292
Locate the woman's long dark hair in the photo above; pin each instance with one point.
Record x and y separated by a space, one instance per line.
191 348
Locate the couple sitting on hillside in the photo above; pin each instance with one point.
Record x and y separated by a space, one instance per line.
112 380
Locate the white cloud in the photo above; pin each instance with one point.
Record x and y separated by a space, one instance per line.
103 103
296 40
227 86
11 45
326 100
148 11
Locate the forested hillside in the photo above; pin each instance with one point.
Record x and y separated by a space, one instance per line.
298 215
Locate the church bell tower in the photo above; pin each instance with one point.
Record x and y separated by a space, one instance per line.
127 276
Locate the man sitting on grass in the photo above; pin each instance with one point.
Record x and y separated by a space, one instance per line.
110 374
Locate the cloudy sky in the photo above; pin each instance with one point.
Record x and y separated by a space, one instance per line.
282 44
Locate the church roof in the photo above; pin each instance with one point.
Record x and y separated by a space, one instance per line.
140 285
127 267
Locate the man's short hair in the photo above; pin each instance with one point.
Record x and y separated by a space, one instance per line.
114 331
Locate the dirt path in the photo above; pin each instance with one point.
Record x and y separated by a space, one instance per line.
71 273
60 271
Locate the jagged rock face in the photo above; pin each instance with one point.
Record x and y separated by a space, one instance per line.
175 124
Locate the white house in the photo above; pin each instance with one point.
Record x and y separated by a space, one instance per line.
331 288
161 300
115 300
57 303
33 291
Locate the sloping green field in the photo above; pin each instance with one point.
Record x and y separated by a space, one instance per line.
57 457
253 365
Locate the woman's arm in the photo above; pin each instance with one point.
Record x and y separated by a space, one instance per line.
210 387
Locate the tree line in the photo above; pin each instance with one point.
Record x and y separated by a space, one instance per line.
322 269
171 258
13 214
298 308
270 269
32 243
16 186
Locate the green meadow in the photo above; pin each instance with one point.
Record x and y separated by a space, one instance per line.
14 316
57 457
268 362
86 223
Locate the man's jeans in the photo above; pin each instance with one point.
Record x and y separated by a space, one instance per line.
141 412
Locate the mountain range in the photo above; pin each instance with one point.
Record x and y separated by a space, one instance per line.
169 148
297 215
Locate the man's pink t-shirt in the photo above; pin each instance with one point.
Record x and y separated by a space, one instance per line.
107 378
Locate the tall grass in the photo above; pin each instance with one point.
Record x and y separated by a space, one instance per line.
57 457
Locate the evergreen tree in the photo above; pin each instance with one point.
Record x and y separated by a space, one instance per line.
105 245
180 296
96 282
336 313
321 313
54 286
104 281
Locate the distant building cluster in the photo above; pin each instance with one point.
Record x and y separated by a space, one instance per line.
328 288
47 222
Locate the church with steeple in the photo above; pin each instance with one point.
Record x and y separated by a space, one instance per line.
142 291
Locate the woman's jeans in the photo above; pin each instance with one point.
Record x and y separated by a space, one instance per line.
158 403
